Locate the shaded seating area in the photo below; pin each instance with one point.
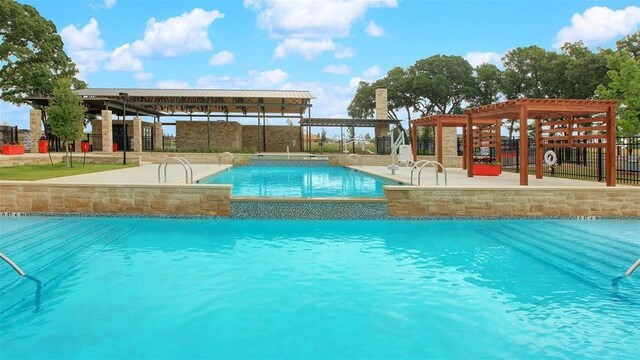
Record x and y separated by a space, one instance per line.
486 133
558 123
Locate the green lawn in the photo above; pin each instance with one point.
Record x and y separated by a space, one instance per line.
38 172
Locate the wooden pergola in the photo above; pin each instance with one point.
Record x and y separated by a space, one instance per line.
486 135
559 123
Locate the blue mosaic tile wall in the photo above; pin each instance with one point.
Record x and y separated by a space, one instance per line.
320 210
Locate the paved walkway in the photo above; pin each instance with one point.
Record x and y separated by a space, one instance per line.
458 177
145 174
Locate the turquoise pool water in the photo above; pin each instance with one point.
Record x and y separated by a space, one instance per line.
178 288
300 181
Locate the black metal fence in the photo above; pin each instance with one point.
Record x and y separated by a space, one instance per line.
425 146
578 163
8 134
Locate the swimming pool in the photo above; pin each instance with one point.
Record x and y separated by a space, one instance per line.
195 288
300 181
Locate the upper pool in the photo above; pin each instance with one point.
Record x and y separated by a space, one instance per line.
300 181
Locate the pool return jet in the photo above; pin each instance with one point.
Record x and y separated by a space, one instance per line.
22 274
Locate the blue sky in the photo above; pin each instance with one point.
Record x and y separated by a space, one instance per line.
322 46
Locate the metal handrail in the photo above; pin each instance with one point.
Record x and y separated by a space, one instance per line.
12 264
632 268
415 167
346 160
435 165
233 159
23 274
185 164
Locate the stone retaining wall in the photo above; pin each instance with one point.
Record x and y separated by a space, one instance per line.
196 158
383 160
22 196
405 201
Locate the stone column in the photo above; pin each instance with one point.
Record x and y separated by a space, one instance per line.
157 135
35 127
449 141
382 112
137 134
107 131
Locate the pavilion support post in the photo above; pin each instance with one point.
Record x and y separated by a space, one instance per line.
414 142
301 136
498 140
538 149
208 130
469 146
259 140
610 155
439 144
464 148
524 146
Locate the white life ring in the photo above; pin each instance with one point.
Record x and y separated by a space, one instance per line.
550 158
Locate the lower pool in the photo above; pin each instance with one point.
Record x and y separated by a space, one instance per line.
144 288
300 181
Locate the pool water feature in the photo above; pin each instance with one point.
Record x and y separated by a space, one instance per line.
201 288
300 181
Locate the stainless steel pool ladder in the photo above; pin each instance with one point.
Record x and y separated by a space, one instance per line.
422 163
22 274
185 164
632 268
346 160
232 158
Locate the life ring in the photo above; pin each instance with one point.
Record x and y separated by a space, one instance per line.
550 158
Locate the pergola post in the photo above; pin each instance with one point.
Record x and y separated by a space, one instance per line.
464 148
498 144
439 143
538 149
469 146
610 155
524 146
414 143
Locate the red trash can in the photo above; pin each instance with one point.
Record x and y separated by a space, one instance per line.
43 146
115 147
84 146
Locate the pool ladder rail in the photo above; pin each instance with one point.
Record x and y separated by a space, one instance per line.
23 274
350 156
422 163
629 271
185 164
233 159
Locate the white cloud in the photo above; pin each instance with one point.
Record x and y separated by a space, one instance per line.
85 47
373 29
108 4
172 84
598 25
222 58
343 53
371 72
336 69
143 76
178 35
311 18
269 78
308 49
476 58
122 59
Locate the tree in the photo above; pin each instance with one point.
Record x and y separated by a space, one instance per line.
31 55
66 114
630 44
363 104
625 86
488 79
583 71
441 84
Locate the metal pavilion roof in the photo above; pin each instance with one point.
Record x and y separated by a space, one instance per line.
206 101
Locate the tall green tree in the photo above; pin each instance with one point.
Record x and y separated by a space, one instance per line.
363 104
488 83
581 71
630 44
66 114
441 84
31 55
625 86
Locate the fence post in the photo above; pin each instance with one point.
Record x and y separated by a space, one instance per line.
517 156
600 177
